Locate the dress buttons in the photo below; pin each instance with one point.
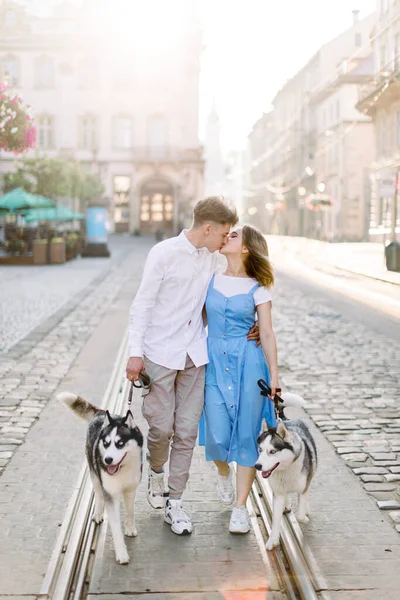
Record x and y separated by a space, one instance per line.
226 369
230 387
224 352
231 405
224 335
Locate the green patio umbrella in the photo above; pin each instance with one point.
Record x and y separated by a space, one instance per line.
19 199
59 213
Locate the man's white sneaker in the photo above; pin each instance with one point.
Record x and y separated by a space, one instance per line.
155 489
225 489
240 520
176 517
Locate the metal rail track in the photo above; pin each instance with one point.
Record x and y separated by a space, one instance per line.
67 573
292 562
71 563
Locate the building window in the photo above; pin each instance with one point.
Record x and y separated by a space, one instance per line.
87 73
383 57
383 136
122 132
45 129
9 68
10 18
156 135
397 51
88 132
357 40
45 72
397 129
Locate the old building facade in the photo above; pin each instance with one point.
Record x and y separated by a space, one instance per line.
321 144
379 98
112 96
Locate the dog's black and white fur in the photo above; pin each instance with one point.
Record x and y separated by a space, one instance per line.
114 447
288 457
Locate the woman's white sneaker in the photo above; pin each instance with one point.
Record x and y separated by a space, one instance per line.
225 489
240 520
176 517
156 489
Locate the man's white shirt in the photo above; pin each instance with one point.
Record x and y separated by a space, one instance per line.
166 322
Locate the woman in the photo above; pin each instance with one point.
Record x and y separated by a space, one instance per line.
234 408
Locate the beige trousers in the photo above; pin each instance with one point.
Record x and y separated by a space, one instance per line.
172 410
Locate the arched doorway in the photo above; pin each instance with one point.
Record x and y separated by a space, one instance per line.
157 207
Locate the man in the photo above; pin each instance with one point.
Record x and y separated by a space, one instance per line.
168 340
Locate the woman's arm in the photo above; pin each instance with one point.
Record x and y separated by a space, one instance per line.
268 342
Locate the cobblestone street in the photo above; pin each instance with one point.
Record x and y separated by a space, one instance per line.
74 299
347 370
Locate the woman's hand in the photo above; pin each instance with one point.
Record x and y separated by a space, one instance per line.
274 385
254 334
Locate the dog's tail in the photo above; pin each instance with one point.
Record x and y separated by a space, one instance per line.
290 399
78 405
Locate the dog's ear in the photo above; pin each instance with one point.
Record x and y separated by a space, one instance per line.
110 419
129 420
281 430
264 426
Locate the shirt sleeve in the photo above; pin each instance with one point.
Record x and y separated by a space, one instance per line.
261 296
145 299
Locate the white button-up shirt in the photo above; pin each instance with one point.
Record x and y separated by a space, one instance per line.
166 322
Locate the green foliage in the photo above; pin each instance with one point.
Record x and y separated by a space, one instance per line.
54 178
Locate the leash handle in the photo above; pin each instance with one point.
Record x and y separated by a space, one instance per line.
266 391
144 382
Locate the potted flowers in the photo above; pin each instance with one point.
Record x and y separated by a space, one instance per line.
17 132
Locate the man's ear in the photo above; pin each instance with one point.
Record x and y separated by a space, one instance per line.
207 228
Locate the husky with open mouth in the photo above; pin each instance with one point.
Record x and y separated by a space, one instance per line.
114 448
288 458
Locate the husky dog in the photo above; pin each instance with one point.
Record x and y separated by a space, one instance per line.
114 453
288 456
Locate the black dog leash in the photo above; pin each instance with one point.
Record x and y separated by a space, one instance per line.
144 383
266 391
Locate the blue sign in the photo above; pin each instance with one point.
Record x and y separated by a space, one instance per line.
96 232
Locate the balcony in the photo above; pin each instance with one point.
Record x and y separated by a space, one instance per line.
381 89
355 71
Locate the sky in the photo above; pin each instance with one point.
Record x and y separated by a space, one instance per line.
251 47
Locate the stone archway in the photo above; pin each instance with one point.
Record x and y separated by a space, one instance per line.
157 206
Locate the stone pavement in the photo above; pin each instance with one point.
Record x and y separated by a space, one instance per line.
349 375
210 564
365 258
31 294
31 370
38 480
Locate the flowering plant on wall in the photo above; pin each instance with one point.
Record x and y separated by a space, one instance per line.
17 132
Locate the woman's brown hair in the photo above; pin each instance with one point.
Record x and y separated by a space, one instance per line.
256 261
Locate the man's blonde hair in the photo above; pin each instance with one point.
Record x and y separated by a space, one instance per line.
214 209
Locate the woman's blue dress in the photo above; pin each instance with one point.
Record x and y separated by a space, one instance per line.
233 407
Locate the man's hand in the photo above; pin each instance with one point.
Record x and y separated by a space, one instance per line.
254 334
134 366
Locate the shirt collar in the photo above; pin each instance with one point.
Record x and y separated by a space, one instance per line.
182 239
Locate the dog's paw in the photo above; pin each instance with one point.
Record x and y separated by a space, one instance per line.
98 518
272 543
130 530
303 519
122 557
